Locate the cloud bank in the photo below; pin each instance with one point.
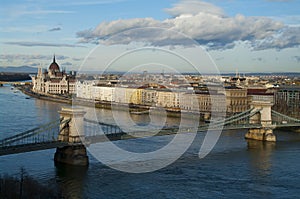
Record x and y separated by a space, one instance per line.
203 22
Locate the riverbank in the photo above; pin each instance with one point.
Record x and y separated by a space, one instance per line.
133 108
27 91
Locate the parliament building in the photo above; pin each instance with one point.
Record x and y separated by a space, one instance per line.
54 81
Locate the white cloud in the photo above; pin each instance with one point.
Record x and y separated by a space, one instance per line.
287 38
296 58
25 29
291 20
201 21
29 58
194 7
108 29
14 11
34 44
45 12
67 64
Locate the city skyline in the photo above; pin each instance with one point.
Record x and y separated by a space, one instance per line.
248 36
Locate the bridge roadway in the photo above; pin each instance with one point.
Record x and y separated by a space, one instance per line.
46 136
22 148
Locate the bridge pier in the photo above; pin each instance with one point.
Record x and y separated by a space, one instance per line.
262 134
72 132
72 155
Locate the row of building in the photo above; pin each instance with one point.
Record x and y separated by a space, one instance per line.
190 97
234 99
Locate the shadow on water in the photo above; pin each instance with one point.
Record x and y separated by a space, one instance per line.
71 180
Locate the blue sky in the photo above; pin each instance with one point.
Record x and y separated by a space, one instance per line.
251 36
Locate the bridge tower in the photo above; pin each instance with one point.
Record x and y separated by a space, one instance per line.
263 118
72 132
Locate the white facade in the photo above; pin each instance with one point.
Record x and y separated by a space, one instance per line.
188 101
104 93
168 99
84 90
88 90
172 99
149 97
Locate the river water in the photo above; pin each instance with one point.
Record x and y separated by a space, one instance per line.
235 168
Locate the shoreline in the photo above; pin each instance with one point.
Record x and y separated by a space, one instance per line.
44 97
133 108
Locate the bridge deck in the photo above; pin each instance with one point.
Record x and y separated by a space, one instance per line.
30 147
46 136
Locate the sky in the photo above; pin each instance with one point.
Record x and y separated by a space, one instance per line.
243 35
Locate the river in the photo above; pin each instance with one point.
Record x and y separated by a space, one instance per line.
235 168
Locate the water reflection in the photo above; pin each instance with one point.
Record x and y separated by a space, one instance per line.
71 180
50 108
261 168
140 119
260 155
112 117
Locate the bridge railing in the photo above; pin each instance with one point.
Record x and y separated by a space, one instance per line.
282 116
240 120
49 132
45 133
94 128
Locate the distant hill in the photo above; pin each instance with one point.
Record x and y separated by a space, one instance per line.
20 69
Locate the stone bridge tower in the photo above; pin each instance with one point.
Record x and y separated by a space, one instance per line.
263 119
71 132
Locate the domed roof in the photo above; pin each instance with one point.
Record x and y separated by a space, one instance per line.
54 66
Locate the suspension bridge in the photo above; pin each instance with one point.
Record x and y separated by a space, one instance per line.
72 132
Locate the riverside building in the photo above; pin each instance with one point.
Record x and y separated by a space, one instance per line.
236 99
54 81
